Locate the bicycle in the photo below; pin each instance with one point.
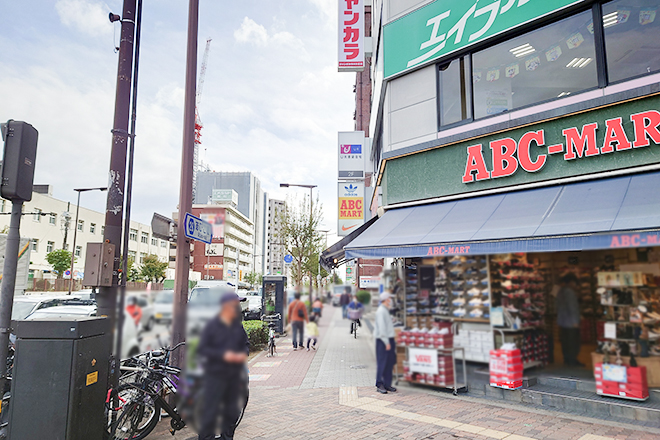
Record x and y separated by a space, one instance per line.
354 315
271 320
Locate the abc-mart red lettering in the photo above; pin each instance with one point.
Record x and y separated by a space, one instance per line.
509 155
448 250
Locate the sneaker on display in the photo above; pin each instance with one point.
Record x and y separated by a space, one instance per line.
459 312
476 302
476 313
458 301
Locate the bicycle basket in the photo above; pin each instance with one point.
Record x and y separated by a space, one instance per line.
354 313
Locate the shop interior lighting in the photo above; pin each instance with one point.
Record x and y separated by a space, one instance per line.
523 50
611 19
578 63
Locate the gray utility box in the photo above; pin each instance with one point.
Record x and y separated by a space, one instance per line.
59 383
99 264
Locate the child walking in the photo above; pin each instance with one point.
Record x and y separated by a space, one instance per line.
312 330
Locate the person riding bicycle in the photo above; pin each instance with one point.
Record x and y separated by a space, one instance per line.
354 311
224 346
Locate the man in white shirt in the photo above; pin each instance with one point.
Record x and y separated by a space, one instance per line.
385 351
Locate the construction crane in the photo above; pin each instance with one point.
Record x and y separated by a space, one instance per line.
198 121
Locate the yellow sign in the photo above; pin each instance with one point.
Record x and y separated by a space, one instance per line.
351 208
92 378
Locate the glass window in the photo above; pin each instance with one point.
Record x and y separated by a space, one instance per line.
555 61
632 45
50 246
92 228
163 244
36 216
144 238
81 225
143 255
102 230
154 241
132 235
78 251
52 219
35 245
455 105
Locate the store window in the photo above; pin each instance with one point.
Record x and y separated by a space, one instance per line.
552 62
632 46
454 88
145 238
50 246
132 235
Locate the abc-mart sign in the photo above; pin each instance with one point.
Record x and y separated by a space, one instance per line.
531 153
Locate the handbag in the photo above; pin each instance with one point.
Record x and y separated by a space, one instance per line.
301 312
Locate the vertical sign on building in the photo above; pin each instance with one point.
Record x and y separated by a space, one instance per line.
350 207
351 154
351 35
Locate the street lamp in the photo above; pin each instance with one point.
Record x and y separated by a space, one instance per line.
311 187
75 229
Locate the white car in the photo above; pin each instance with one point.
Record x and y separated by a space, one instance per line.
130 345
254 304
163 306
24 305
204 304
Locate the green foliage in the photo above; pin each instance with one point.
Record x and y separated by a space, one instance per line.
257 333
253 279
152 269
364 297
60 259
336 279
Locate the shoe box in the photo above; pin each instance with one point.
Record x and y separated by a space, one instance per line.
506 369
445 376
424 338
635 386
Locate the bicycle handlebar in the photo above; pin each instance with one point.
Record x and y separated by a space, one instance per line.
267 318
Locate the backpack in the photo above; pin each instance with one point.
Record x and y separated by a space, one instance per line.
301 312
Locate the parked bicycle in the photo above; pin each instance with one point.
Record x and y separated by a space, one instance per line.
271 321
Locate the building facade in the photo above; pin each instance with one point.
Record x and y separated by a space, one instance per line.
55 230
230 256
252 203
275 257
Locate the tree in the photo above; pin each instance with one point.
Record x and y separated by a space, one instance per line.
60 259
336 279
298 234
253 278
152 269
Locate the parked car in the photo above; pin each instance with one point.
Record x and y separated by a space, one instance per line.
24 305
130 345
148 314
163 306
253 309
337 292
204 304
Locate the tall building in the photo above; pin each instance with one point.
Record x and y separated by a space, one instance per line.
55 230
275 258
211 188
230 255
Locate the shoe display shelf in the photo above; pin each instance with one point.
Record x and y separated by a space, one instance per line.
444 377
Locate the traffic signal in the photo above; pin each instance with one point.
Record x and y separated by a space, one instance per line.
20 153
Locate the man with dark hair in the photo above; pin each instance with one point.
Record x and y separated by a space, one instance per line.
344 300
224 348
297 315
568 320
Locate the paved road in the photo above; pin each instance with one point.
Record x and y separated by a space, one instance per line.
323 395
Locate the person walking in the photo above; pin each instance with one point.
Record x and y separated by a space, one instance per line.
317 307
312 330
568 320
344 300
224 348
297 315
385 346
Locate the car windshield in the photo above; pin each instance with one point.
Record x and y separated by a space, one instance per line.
165 298
21 310
206 296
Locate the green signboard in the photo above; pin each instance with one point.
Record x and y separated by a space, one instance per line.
611 138
445 26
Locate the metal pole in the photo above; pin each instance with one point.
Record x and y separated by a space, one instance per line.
9 284
67 220
129 184
73 249
107 296
185 193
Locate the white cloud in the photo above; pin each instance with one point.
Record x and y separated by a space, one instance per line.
251 32
88 17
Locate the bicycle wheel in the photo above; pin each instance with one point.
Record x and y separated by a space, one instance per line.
137 417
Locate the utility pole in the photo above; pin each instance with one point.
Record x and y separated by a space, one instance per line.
107 296
182 267
66 223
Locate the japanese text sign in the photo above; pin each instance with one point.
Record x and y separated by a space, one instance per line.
197 229
445 26
351 154
351 35
423 360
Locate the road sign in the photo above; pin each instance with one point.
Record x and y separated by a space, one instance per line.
288 259
197 229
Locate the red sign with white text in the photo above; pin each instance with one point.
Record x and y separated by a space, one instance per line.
351 35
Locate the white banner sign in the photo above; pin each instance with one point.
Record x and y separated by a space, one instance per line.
369 282
350 206
214 250
351 154
423 360
351 35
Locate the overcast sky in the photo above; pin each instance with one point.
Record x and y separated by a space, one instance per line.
272 101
